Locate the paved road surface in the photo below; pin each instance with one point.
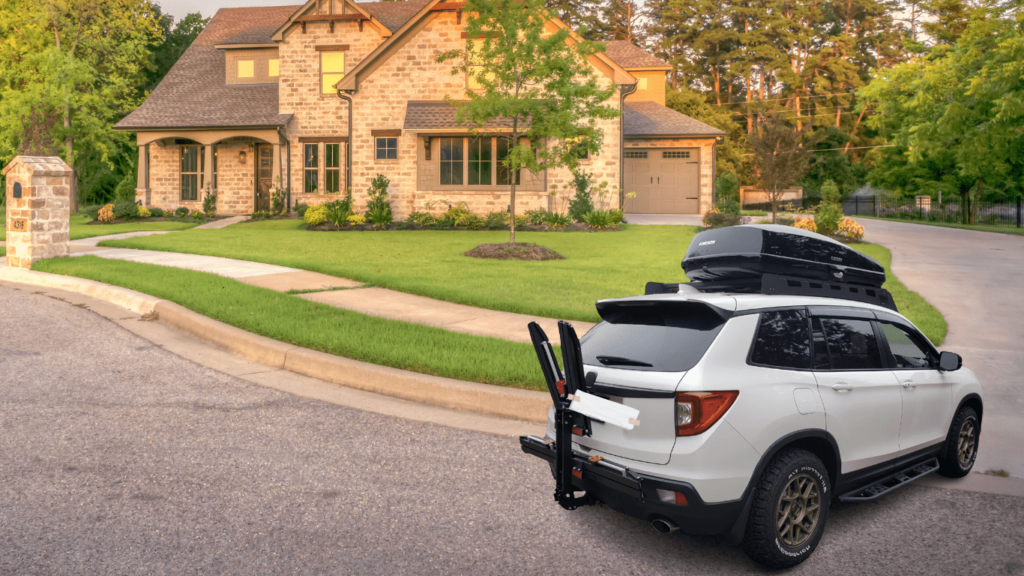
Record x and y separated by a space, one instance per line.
976 279
117 457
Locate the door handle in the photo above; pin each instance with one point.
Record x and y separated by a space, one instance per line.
842 387
908 384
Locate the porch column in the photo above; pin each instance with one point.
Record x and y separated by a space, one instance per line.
208 172
278 181
142 182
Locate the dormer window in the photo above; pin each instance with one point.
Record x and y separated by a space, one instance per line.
275 68
246 68
332 70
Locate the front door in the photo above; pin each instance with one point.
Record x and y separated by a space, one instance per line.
264 176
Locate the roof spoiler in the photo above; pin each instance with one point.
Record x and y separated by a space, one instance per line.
662 312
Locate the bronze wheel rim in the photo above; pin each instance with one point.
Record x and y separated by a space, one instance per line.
967 443
798 511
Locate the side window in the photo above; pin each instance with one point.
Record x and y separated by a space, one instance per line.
820 359
904 348
851 344
783 340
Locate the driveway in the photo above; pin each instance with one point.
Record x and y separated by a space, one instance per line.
976 279
119 457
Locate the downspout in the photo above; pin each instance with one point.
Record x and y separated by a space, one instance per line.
624 91
348 145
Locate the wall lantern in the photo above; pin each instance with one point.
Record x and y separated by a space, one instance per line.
241 157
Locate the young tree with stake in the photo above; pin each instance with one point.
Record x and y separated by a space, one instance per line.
535 80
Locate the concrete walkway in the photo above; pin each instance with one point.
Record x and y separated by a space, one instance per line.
223 223
665 219
976 280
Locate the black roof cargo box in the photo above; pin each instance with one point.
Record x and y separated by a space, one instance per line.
740 255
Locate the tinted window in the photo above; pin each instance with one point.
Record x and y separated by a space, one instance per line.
903 345
664 348
783 340
820 360
851 344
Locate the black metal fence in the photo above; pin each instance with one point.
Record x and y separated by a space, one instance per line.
928 210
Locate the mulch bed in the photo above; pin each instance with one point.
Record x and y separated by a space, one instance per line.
119 221
517 251
574 227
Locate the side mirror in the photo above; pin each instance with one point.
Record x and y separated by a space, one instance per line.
950 362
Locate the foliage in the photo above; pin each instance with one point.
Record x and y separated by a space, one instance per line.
356 220
175 41
260 214
300 209
423 219
315 215
197 215
727 206
106 214
715 219
778 157
617 216
210 202
144 213
731 152
527 72
805 224
125 189
536 217
582 203
727 187
126 209
156 212
378 209
91 211
829 162
337 211
600 219
851 229
557 220
827 218
181 212
278 197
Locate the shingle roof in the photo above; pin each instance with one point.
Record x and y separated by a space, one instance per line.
653 119
193 94
629 56
393 14
441 116
260 35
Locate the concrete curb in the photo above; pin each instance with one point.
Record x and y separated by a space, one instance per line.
485 399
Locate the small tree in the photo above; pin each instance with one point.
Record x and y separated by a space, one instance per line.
778 158
539 84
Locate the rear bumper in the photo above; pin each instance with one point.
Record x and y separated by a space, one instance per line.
635 494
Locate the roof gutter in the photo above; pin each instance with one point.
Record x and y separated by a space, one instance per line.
624 91
348 145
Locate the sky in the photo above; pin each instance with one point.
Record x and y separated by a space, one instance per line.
181 8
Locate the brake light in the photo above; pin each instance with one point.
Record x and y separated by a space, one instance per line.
698 411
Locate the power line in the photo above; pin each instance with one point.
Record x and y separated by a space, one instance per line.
786 98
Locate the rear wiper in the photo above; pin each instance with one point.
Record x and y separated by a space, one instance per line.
618 361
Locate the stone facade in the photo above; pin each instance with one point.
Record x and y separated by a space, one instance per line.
38 196
236 181
707 164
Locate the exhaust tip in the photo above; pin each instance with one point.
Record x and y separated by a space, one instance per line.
664 526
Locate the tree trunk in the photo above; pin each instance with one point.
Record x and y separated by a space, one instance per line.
512 190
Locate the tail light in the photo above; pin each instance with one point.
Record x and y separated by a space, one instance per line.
698 411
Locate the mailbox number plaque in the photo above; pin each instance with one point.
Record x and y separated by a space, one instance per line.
19 225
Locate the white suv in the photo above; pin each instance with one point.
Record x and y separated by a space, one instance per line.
755 412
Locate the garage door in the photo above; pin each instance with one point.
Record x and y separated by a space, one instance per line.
665 181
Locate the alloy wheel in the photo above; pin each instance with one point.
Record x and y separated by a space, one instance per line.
798 510
966 443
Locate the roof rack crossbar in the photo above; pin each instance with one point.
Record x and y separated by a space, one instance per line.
776 284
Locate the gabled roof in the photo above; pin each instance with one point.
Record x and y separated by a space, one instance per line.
650 119
632 57
298 16
393 14
193 94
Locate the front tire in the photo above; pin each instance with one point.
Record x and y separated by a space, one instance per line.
787 517
961 449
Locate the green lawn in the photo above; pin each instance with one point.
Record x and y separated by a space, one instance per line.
79 228
431 263
291 319
979 227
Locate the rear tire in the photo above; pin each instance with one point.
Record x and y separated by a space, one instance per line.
961 448
787 517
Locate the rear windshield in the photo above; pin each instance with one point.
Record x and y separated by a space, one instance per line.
651 342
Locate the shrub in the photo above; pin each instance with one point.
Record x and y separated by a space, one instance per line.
156 212
316 215
181 212
827 218
454 214
210 203
106 214
581 203
423 219
785 221
338 211
356 220
618 216
277 198
143 213
805 224
728 188
470 221
496 220
556 220
848 227
260 214
125 189
536 217
197 215
126 209
378 209
599 219
716 219
727 206
300 209
91 211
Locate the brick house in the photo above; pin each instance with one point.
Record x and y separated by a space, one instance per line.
264 96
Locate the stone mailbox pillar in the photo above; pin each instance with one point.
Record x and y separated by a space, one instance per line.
38 209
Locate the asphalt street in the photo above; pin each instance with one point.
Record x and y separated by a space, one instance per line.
118 457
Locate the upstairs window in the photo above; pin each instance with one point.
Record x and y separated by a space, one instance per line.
311 168
190 173
332 70
274 68
246 68
332 174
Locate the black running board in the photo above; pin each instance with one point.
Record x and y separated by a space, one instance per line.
890 483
